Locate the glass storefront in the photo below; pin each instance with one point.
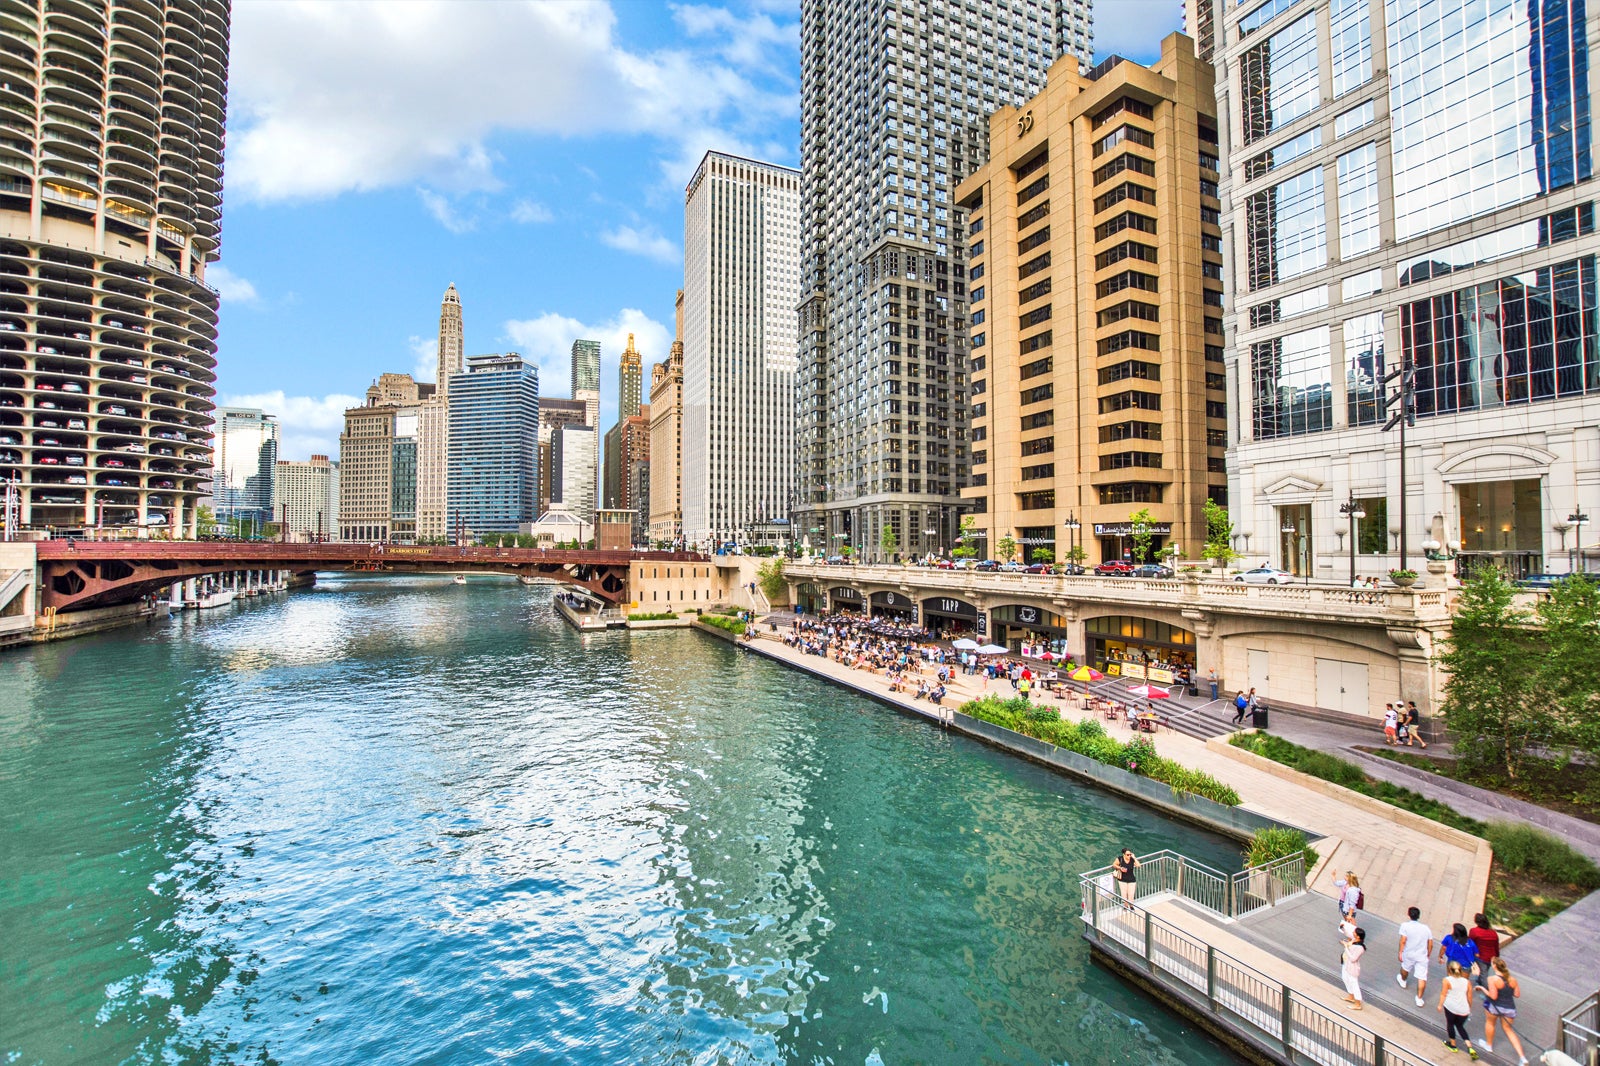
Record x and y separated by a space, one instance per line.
845 598
810 598
951 617
1018 624
1127 646
1501 526
1294 539
896 606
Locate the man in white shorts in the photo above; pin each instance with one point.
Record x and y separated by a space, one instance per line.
1416 944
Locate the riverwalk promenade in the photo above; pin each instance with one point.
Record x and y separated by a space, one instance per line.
1403 861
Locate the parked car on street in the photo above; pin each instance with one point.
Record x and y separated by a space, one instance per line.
945 564
1011 566
1265 575
1114 566
1155 570
987 566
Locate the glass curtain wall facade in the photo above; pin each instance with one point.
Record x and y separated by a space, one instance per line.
494 445
247 457
1409 187
894 101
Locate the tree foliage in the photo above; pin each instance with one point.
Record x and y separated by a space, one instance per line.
1005 548
1140 523
1568 679
769 575
1492 703
1219 534
1043 555
889 542
964 548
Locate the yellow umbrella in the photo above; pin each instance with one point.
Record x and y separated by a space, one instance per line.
1086 673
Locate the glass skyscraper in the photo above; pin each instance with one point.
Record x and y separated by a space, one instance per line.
246 451
895 99
494 445
1408 186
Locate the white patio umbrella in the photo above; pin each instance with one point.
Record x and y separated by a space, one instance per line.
964 644
993 649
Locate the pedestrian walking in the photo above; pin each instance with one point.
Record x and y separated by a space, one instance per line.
1500 1004
1347 932
1350 967
1414 724
1241 704
1391 724
1211 679
1126 871
1487 941
1416 946
1455 1003
1350 896
1458 947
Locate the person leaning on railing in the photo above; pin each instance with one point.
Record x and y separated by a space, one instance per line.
1125 870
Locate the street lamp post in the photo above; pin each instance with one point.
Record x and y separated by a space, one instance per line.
1578 518
1353 511
1073 525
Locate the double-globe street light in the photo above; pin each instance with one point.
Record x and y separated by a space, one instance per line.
1355 512
1578 518
1073 525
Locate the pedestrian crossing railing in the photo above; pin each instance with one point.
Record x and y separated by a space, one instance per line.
1239 997
1578 1031
1230 896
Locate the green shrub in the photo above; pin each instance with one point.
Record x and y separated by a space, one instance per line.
652 616
1270 845
1524 849
731 625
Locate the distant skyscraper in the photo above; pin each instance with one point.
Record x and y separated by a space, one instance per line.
306 497
494 444
666 439
111 205
452 339
881 397
554 413
630 379
366 464
586 379
246 453
741 282
572 454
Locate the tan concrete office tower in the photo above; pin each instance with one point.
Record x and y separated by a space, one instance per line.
452 339
741 265
630 382
305 497
110 209
666 440
1097 361
893 104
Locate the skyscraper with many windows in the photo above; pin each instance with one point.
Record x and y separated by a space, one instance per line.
741 265
111 206
494 444
247 458
894 98
1409 190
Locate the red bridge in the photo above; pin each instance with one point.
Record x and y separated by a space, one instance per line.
80 574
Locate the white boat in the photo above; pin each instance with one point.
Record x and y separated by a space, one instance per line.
460 579
219 598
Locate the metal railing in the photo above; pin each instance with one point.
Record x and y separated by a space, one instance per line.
1578 1030
1231 990
1228 896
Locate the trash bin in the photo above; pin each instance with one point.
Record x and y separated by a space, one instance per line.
1258 717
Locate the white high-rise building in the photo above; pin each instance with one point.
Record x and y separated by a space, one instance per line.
741 283
306 497
572 457
246 451
894 107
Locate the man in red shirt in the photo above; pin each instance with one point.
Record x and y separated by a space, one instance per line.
1488 942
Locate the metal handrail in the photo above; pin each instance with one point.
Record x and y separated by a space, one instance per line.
1308 1032
1231 896
1578 1030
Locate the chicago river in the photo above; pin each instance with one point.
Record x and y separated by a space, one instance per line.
399 820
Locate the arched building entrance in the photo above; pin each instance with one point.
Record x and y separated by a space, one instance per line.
893 605
845 598
954 617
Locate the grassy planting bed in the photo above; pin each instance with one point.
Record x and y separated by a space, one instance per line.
732 625
1566 787
652 616
1089 738
1534 876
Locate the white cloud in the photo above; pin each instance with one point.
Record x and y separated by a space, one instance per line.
444 212
230 286
425 357
307 425
547 340
529 212
366 94
646 242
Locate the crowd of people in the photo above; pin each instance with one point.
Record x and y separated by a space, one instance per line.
1470 958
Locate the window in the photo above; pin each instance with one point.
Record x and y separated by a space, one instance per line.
1039 420
1290 306
1128 339
1124 135
1033 240
1036 501
1127 162
1033 190
1128 279
1358 117
1128 309
1126 220
1278 79
1349 26
1036 342
1125 250
1038 446
1123 401
1130 431
1363 368
1122 105
1131 492
1036 316
1126 191
1291 393
1525 236
1363 284
1130 368
1032 164
1034 291
1033 266
1358 201
1033 214
1128 460
1034 369
1286 232
1034 473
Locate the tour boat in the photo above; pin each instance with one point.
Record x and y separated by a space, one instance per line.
460 579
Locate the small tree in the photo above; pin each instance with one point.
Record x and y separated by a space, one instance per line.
1005 548
1492 698
1569 674
1044 555
1077 554
964 548
1139 523
769 575
205 521
1219 534
888 541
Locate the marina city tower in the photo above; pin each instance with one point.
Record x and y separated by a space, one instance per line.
894 103
111 208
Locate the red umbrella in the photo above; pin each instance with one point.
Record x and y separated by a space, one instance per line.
1150 692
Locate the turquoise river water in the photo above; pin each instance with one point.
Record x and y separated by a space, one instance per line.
404 821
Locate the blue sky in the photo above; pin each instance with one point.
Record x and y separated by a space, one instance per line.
533 153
